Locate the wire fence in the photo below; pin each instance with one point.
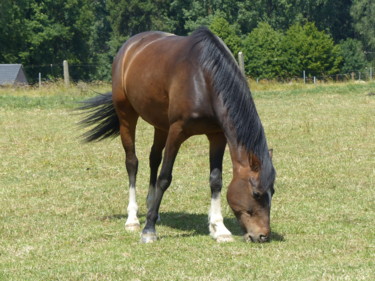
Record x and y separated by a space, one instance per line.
53 72
91 72
364 75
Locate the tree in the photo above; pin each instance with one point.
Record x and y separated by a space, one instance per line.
227 33
129 17
202 13
89 32
354 57
311 50
363 13
46 32
12 29
332 16
100 33
263 53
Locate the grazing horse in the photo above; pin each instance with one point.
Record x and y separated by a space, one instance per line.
185 86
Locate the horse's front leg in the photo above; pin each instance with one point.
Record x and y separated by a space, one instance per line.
216 223
174 140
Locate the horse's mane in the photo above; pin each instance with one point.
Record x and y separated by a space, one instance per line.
230 84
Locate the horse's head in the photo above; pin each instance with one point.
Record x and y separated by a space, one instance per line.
250 194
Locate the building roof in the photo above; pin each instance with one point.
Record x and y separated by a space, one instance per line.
11 74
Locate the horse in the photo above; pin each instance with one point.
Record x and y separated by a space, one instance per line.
185 86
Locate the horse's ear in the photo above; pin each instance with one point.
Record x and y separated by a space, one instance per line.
254 179
270 151
254 162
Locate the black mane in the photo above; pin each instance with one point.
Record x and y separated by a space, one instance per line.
231 85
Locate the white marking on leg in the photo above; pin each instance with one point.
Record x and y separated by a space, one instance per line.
216 222
132 223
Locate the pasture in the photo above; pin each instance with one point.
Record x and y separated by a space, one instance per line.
63 202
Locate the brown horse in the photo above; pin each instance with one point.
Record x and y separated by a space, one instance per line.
185 86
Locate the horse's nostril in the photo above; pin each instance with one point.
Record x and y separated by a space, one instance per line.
248 238
259 239
263 238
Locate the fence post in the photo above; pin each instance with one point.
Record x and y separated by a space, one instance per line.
40 79
66 73
304 77
370 72
241 63
314 80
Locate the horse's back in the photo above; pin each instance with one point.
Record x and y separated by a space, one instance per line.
158 74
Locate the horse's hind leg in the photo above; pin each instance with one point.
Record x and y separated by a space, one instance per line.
128 121
216 223
160 138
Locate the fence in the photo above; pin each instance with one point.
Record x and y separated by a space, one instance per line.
90 72
53 72
366 74
341 77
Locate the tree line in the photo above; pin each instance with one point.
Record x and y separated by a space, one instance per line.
279 38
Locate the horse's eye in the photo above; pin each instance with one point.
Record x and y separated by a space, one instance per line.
250 212
256 195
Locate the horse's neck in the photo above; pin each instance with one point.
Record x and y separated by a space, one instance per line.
239 152
241 156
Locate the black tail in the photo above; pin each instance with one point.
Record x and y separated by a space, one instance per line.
102 115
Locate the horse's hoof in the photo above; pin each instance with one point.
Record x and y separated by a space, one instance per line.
148 237
133 227
224 239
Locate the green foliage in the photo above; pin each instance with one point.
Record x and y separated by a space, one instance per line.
331 16
44 32
48 32
203 12
311 50
354 57
272 54
12 29
278 14
129 17
100 33
227 32
363 13
264 57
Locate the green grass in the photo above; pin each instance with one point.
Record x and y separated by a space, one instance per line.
63 202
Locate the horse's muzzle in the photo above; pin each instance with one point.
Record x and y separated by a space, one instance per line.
261 238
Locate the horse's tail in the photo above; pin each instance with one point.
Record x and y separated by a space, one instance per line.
102 115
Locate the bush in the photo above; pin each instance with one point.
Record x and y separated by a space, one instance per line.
263 53
311 50
227 32
272 54
353 55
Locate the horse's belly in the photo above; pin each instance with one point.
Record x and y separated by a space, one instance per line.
199 126
153 109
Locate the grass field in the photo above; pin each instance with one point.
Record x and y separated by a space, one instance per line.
63 202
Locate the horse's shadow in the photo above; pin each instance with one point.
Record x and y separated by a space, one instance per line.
195 224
